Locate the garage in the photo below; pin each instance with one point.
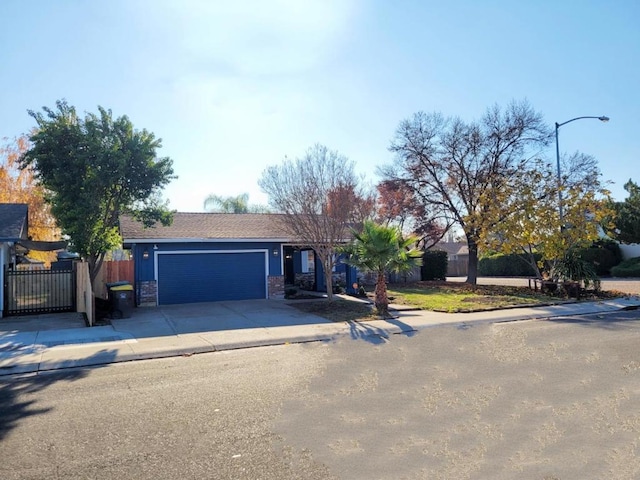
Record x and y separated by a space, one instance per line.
211 276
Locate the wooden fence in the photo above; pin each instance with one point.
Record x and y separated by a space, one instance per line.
113 271
457 267
84 294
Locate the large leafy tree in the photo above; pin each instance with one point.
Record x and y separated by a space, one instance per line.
459 170
94 169
19 186
530 222
320 198
381 249
627 215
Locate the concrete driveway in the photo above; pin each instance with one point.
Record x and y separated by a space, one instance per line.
213 317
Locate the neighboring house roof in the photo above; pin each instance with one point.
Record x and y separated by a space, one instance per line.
207 227
14 222
453 248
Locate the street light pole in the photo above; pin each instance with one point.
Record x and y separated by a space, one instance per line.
558 125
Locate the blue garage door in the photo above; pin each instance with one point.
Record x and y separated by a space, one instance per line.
210 277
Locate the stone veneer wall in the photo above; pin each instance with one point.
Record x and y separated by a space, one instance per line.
307 281
276 285
147 293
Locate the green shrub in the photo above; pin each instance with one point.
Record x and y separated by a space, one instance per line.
612 246
290 292
434 265
573 268
500 265
602 259
628 268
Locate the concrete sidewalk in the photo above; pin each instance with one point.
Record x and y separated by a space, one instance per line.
198 328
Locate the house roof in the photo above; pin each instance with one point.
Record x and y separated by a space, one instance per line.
207 227
453 248
13 221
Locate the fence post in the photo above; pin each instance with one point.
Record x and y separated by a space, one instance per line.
84 293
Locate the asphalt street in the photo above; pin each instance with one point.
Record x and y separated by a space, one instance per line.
552 399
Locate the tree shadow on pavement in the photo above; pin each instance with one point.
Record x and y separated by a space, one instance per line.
622 319
407 329
19 393
376 335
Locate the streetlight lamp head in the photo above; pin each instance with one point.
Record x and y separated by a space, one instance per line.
603 119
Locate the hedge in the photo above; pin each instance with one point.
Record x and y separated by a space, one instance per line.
628 268
500 265
434 265
602 259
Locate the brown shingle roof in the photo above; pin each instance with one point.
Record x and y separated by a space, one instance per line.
203 226
453 248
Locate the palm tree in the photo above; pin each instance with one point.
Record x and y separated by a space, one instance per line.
238 204
216 203
379 249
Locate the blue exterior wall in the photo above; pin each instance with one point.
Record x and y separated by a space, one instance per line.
320 282
144 268
321 285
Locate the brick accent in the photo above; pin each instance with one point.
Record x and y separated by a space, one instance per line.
276 286
147 293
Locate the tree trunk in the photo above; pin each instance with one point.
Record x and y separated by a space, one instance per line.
327 266
472 265
95 263
381 300
93 270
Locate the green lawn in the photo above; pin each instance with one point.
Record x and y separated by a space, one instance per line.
447 297
462 298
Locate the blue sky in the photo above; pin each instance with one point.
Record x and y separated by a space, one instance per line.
234 86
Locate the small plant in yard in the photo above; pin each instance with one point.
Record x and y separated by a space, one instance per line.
290 292
572 268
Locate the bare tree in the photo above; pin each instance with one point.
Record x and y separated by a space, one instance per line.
321 199
457 170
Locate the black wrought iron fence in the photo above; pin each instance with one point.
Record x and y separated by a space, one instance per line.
39 291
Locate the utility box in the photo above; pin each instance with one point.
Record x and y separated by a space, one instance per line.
120 299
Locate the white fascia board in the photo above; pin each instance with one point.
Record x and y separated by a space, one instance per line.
204 240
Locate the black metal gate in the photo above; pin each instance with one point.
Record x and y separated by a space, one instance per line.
39 291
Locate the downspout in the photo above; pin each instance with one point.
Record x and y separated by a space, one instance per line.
136 282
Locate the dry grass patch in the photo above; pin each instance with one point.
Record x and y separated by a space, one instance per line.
337 310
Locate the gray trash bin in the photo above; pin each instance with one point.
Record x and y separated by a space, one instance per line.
120 299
